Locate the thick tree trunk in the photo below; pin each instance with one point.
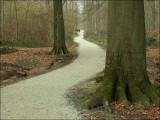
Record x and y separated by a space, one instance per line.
59 33
126 76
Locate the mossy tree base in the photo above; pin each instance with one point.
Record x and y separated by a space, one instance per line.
112 89
125 75
138 90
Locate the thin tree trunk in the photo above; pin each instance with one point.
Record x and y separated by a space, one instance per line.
158 24
26 21
96 18
2 20
66 6
10 12
17 31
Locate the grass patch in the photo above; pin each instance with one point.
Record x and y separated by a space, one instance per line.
7 50
99 39
34 43
24 43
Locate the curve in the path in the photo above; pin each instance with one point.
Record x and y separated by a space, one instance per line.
44 96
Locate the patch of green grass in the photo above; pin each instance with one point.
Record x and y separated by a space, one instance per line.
6 50
99 39
23 43
33 43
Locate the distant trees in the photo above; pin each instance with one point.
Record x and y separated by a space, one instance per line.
31 22
59 30
95 17
151 14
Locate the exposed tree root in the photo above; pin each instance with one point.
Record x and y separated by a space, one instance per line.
91 98
60 51
150 92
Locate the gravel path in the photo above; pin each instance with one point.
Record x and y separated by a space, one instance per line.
44 96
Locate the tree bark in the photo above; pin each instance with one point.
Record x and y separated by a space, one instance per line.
0 20
59 33
126 76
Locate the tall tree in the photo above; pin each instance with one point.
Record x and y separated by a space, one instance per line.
125 74
1 19
59 33
17 24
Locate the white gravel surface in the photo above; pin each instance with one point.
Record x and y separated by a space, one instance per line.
44 96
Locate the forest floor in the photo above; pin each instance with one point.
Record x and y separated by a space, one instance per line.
20 63
121 111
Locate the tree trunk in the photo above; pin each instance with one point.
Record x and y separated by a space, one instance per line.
1 20
10 12
66 6
59 33
17 24
125 75
126 78
96 17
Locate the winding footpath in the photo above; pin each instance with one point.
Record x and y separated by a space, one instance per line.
45 96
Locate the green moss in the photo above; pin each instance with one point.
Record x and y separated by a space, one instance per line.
149 91
89 90
99 39
90 98
116 87
99 79
108 87
24 43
